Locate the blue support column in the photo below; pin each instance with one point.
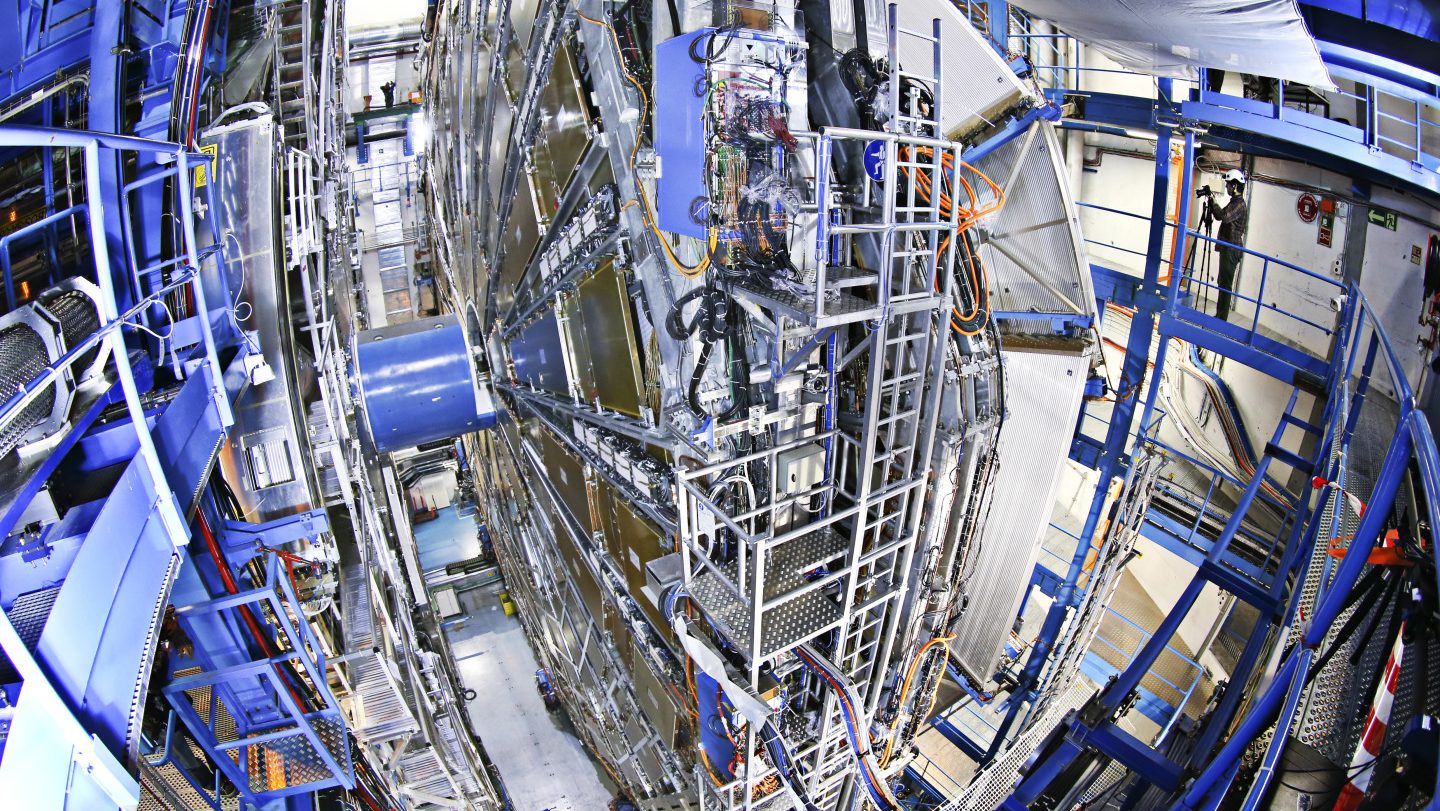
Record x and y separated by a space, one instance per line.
998 19
1112 459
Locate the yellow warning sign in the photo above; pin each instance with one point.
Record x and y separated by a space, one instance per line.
202 171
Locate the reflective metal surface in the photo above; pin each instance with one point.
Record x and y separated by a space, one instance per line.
265 458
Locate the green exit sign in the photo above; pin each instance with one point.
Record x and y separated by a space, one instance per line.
1380 216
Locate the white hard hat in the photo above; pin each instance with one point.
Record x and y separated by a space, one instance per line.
1235 175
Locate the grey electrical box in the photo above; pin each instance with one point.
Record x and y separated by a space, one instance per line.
800 469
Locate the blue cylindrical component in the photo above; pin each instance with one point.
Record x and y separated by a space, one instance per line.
418 383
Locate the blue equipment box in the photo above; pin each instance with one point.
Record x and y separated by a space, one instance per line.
681 191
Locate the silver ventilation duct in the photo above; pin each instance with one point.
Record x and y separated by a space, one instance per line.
33 337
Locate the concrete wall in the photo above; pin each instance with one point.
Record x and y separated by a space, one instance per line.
1164 575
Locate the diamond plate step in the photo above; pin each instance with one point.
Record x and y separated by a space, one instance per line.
788 623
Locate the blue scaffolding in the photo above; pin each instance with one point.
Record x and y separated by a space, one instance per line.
1168 306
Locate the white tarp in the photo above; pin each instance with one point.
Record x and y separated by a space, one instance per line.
1174 37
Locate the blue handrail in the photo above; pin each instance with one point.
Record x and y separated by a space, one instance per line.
41 695
1412 441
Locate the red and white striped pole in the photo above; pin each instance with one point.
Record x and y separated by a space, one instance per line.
1362 765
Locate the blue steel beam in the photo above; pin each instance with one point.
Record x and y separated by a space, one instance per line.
1112 460
1237 126
997 19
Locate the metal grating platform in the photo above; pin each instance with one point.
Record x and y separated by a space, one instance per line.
787 564
28 615
794 620
293 761
786 567
840 308
842 276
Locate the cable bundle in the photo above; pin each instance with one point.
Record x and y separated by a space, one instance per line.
973 322
875 784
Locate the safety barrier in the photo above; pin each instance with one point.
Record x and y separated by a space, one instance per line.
80 684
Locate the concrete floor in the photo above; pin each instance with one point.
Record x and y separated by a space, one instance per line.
543 765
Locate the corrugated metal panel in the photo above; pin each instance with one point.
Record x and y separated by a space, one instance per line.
978 86
1033 247
1042 397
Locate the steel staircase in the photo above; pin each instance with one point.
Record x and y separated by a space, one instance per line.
376 705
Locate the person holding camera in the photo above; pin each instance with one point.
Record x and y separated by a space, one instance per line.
1233 216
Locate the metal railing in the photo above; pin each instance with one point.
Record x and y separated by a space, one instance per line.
40 695
1197 533
1177 694
1387 116
1394 119
1196 286
1378 481
305 747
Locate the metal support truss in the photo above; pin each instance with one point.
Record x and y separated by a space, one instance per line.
1270 682
80 675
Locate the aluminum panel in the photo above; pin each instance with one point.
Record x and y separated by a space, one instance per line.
978 86
245 183
522 234
1042 396
567 472
635 544
564 131
609 334
1033 247
537 355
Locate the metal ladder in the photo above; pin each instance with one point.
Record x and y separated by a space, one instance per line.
891 455
294 85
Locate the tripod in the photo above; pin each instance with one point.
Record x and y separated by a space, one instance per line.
1207 221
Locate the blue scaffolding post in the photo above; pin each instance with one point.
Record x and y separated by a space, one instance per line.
1113 459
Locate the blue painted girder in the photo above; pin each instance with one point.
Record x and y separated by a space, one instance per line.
98 640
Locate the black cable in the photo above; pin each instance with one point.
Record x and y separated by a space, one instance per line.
972 299
675 320
1366 592
695 376
1391 588
1392 631
1325 793
739 379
